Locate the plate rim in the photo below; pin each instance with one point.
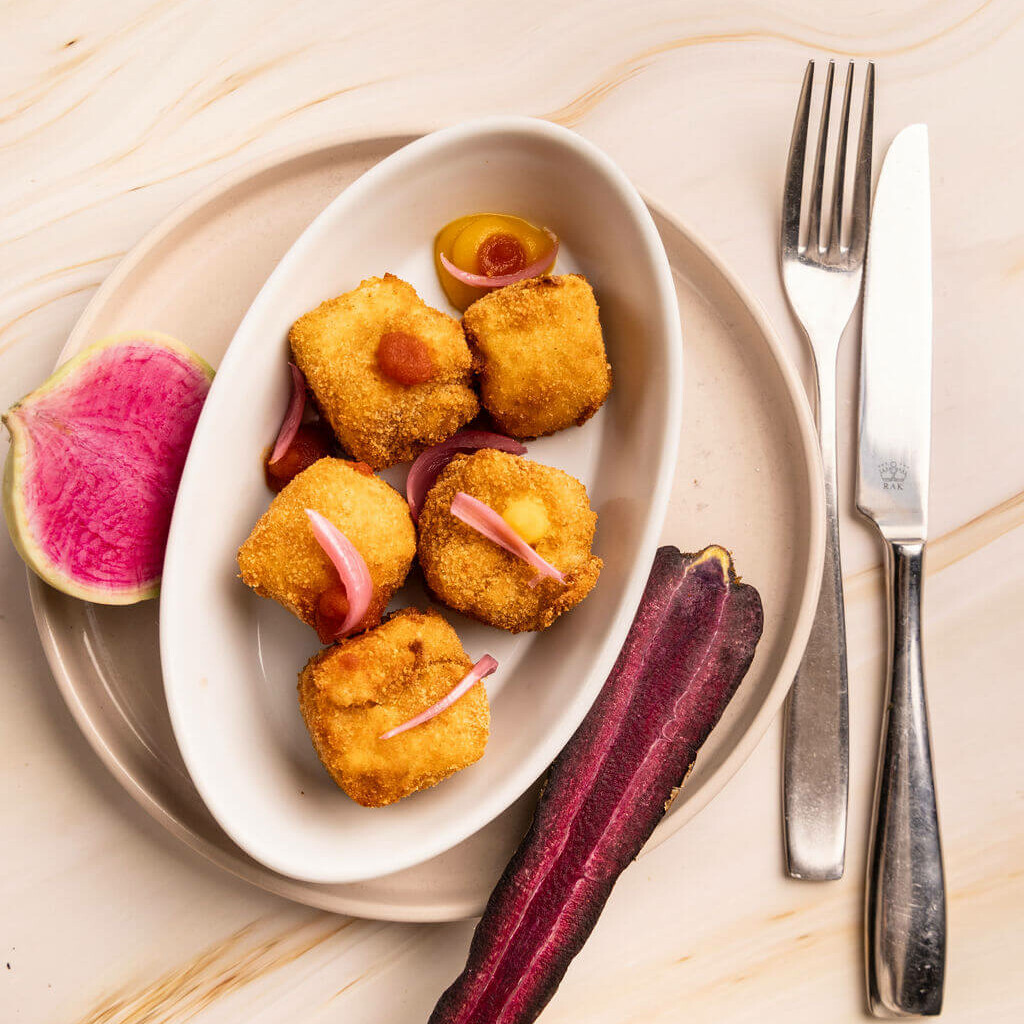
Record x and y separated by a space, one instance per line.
811 451
235 860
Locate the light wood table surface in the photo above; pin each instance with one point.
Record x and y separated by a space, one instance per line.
112 113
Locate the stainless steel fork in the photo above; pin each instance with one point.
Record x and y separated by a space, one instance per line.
822 278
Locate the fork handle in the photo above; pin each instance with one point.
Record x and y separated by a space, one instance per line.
905 912
815 778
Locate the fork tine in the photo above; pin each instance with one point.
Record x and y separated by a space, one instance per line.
817 187
862 178
836 227
793 192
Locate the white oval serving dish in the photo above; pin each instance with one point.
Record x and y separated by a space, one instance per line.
230 659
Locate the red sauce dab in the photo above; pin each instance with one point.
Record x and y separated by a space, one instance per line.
311 443
331 609
404 358
499 255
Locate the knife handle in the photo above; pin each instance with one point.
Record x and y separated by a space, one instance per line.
816 730
905 914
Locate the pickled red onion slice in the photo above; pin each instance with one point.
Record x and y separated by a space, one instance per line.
352 570
427 467
484 667
487 522
292 416
482 281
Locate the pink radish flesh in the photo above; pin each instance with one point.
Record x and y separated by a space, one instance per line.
104 452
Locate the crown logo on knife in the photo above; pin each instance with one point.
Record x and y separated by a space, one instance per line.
893 474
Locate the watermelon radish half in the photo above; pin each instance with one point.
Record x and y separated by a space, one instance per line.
95 460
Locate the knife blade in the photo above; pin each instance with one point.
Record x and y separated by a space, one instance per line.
905 898
896 345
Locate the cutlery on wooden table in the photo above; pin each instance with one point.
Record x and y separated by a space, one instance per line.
822 278
905 917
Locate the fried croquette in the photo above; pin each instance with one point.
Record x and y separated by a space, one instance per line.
282 560
391 375
472 574
541 355
353 693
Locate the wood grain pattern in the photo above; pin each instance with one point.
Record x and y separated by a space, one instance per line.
223 968
113 114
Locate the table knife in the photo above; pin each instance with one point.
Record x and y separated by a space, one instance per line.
905 914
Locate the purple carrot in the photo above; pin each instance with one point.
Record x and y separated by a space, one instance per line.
690 644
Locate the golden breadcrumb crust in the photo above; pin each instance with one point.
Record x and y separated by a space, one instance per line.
282 560
377 420
354 692
477 577
542 360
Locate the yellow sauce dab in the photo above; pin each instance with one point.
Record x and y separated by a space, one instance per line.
491 244
528 517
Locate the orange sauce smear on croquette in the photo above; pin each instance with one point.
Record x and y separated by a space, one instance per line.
332 604
404 358
331 609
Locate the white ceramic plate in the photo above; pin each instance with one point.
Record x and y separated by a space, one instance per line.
230 659
747 476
